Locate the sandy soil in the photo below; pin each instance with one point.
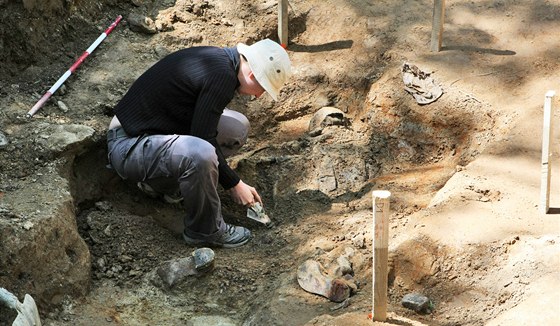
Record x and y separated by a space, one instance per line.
464 171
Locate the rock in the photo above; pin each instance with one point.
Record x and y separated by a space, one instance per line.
103 206
161 51
326 116
312 278
174 272
28 225
203 259
46 247
60 138
359 241
141 24
3 140
101 263
417 302
342 267
62 106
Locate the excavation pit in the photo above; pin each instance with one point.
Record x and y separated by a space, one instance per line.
87 245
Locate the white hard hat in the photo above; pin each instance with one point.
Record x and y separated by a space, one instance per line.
270 64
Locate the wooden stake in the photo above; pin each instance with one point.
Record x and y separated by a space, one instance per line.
437 25
380 253
283 22
546 153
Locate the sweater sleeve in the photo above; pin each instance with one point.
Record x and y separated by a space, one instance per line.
215 94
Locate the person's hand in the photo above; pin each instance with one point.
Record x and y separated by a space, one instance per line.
244 194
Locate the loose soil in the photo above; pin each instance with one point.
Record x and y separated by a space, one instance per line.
463 171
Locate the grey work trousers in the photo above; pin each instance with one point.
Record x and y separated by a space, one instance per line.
172 163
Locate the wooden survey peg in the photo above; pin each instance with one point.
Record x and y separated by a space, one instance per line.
380 253
546 153
437 25
283 22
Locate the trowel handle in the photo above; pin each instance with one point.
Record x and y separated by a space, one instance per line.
10 300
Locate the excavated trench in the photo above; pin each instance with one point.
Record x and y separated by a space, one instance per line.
339 166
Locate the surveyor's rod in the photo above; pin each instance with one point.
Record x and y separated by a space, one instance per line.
380 253
75 66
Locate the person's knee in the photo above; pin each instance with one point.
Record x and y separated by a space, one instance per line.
233 130
205 154
195 153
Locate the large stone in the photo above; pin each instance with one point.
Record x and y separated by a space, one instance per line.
41 251
60 138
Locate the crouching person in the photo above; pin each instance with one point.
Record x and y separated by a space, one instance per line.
172 132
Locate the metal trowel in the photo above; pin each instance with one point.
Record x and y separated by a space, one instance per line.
28 315
256 212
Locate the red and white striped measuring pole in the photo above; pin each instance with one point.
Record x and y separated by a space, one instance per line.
75 66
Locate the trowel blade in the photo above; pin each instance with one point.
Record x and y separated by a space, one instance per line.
256 212
30 310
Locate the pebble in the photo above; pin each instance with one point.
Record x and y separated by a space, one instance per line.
107 230
3 140
344 267
359 241
101 263
27 225
62 106
103 206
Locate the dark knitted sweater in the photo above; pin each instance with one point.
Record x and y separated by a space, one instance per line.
185 93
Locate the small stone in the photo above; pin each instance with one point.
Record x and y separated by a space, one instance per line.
27 225
3 140
141 24
203 259
134 272
103 206
62 106
161 51
417 302
359 241
107 230
101 263
343 267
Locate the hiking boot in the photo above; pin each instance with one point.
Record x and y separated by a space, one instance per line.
233 237
147 189
175 198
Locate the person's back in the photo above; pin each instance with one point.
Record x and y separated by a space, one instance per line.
164 99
